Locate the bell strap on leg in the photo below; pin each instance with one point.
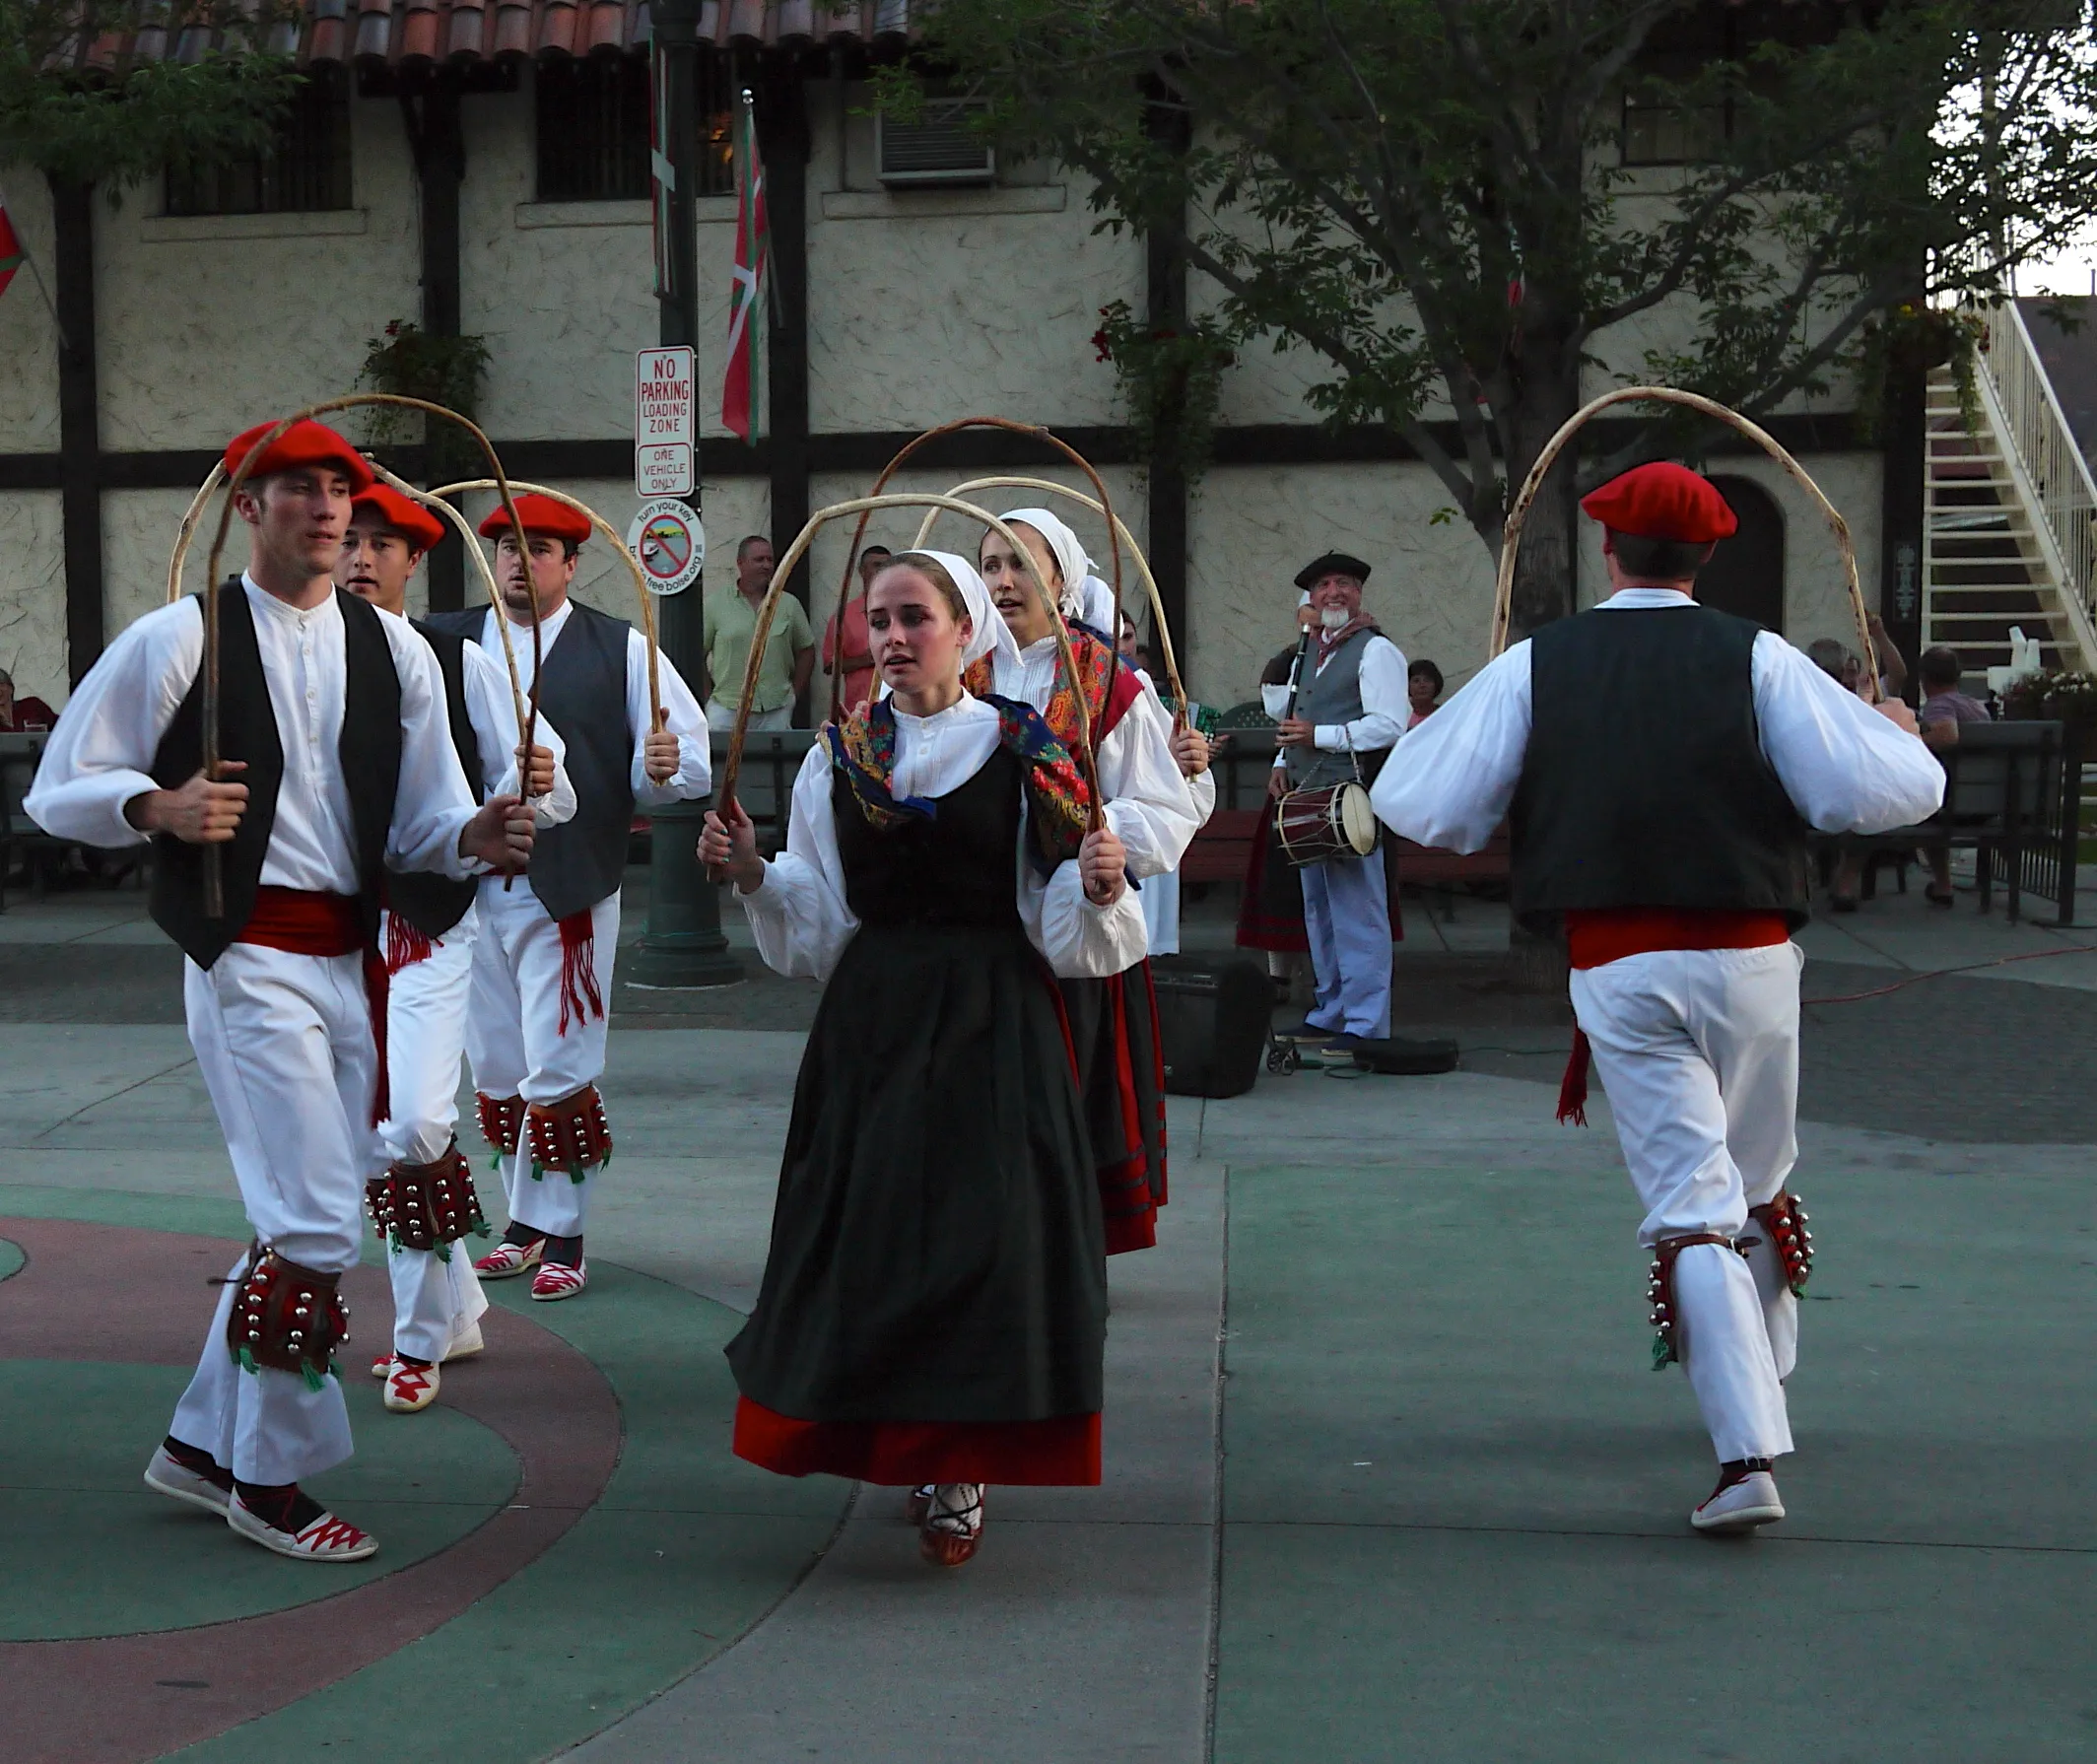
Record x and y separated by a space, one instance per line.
288 1317
502 1121
426 1206
571 1135
1659 1291
1785 1219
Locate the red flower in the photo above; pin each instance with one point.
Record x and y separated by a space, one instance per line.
1103 351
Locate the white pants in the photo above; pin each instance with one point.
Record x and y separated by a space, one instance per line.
515 1041
435 1301
1159 900
723 717
1347 919
1699 1053
284 1043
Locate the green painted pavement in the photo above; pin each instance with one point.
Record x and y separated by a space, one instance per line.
687 1550
1455 1499
10 1259
79 1437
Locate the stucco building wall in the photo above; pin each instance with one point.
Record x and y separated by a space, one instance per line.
28 341
32 637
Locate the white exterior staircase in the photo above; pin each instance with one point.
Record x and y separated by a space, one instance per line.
2009 504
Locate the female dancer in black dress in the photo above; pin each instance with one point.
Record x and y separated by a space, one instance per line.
934 1311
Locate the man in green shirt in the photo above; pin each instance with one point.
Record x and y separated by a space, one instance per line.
731 622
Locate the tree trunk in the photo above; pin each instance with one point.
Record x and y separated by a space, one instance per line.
1544 562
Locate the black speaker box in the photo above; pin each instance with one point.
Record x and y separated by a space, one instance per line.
1213 1013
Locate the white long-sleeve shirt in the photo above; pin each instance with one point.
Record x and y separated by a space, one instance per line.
1148 806
682 715
1385 706
493 716
1846 768
101 755
799 917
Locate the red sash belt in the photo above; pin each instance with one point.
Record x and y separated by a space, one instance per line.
1598 937
305 922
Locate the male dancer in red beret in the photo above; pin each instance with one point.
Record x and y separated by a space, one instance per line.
425 1202
1661 764
542 968
337 768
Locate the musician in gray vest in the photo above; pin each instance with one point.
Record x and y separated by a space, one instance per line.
542 965
334 770
1659 763
1349 711
423 1205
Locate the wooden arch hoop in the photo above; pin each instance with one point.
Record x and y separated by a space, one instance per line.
617 540
1511 535
863 506
1035 431
214 885
1118 530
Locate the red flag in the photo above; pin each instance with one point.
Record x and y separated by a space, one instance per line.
742 400
10 248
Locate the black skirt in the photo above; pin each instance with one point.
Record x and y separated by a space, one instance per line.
936 1252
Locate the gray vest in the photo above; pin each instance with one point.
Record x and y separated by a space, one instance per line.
1332 694
582 694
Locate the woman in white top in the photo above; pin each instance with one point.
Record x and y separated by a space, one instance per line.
934 1309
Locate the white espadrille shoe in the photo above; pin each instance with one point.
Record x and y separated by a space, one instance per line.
1740 1506
952 1525
466 1344
168 1475
507 1259
326 1539
410 1388
557 1281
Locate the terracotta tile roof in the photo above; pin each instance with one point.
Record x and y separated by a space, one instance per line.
409 31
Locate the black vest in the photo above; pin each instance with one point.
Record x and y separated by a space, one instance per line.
582 694
369 750
431 902
1645 784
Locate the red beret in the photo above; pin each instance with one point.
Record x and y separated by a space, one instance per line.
305 443
420 526
540 514
1663 500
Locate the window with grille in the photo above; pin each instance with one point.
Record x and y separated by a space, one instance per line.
593 130
1663 134
306 168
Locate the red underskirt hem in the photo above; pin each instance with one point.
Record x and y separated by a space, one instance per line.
1132 1231
1062 1452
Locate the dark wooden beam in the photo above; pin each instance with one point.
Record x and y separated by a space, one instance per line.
1904 433
79 421
1165 285
783 140
430 119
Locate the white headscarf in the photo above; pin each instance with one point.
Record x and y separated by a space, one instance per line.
990 631
1098 609
1071 559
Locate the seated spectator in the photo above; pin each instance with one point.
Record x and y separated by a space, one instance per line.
1944 708
22 712
1423 692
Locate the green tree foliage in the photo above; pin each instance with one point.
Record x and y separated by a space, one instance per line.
84 124
1434 199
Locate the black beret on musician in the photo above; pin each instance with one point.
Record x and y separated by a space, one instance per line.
1333 562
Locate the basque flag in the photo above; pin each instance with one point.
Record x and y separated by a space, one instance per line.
742 395
10 248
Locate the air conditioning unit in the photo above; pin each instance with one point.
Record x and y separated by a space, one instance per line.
940 149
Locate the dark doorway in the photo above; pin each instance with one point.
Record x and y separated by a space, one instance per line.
1746 574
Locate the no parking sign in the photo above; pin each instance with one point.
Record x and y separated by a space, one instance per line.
670 544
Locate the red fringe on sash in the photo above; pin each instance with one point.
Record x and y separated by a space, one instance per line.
406 944
1062 1452
579 996
1573 1087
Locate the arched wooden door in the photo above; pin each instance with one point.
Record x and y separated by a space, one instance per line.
1746 574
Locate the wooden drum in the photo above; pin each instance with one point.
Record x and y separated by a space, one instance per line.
1334 821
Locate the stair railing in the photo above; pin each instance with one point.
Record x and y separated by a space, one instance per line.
2056 479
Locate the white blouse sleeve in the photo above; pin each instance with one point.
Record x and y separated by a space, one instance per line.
1847 768
681 715
494 714
101 755
1148 805
1449 780
1204 790
431 802
798 913
1078 940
